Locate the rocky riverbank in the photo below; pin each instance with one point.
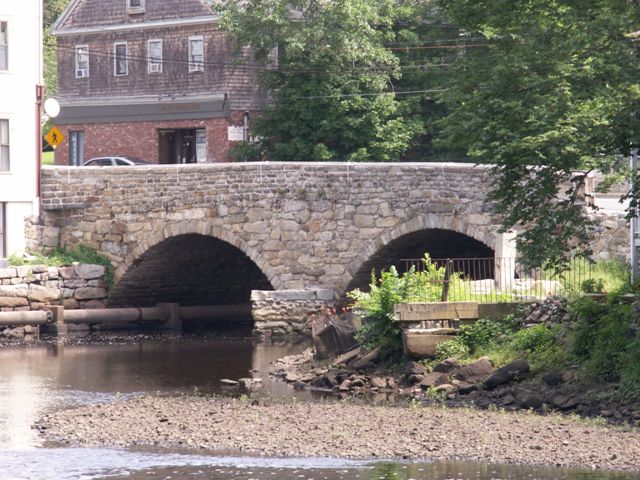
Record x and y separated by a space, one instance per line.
347 429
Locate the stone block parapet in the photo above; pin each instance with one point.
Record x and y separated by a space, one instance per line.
37 287
284 312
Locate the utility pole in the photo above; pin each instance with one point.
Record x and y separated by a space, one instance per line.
635 243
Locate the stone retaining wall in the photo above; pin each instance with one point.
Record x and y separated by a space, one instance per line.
35 287
283 312
611 239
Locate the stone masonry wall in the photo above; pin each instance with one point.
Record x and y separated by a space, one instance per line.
305 225
35 287
611 237
287 311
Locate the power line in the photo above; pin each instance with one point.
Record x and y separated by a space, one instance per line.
372 68
343 95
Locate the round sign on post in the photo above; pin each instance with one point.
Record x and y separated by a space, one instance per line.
51 107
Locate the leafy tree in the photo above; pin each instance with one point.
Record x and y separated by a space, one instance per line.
543 89
332 90
52 10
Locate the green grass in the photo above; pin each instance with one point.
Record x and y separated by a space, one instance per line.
47 158
612 275
61 256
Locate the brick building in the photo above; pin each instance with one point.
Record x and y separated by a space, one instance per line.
152 79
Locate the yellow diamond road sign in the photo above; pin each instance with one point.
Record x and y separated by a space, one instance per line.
54 137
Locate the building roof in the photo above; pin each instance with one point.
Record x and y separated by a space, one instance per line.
84 16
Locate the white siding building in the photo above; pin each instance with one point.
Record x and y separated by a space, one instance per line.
20 78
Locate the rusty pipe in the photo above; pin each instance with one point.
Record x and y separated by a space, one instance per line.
35 317
116 315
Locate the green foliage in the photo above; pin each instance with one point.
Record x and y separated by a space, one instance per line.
332 94
592 285
52 10
47 158
485 332
245 152
604 340
376 306
62 256
453 348
544 89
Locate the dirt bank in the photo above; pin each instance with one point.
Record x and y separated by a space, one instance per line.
346 429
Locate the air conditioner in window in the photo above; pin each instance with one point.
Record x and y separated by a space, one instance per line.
81 73
155 67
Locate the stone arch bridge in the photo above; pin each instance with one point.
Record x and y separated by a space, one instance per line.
310 232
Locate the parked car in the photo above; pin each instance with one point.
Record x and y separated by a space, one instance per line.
114 161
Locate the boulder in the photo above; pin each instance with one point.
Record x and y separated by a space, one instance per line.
88 271
447 365
465 388
414 368
564 402
504 375
378 382
90 293
67 272
13 302
367 360
434 379
447 388
475 371
345 386
530 400
553 378
19 290
40 294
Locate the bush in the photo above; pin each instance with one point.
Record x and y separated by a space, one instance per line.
454 348
485 332
376 306
603 338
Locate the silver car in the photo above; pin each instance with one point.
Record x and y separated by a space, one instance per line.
114 161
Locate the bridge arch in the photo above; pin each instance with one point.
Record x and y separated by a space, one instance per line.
482 238
190 263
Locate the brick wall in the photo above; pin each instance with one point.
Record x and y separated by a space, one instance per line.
140 139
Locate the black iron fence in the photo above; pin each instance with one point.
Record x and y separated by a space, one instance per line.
493 279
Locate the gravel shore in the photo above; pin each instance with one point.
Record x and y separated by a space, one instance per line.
348 430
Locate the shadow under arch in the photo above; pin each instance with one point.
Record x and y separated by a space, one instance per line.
441 237
189 268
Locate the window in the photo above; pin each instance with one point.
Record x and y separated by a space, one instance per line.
201 145
154 56
4 46
76 148
135 6
120 65
196 54
4 146
82 61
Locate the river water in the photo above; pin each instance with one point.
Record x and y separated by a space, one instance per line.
46 376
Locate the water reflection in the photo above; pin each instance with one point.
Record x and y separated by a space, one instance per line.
38 379
70 463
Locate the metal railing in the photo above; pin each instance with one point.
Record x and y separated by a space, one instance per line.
492 279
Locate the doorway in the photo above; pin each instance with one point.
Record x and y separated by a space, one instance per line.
182 145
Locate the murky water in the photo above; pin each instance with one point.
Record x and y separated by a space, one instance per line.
40 379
